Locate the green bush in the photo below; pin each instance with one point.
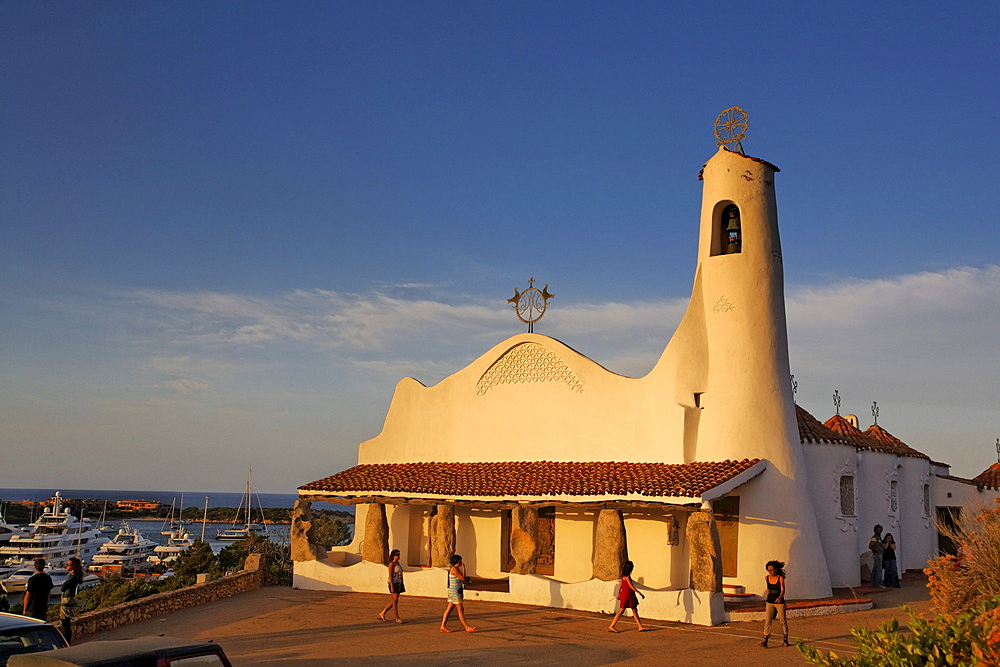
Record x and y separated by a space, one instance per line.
278 569
971 638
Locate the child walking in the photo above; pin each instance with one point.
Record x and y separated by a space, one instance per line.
627 598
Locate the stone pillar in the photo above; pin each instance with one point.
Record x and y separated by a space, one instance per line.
524 539
303 548
442 536
610 546
706 553
375 545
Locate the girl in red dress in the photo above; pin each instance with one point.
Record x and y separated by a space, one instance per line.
627 598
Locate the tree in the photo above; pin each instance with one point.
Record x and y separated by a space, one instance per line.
196 559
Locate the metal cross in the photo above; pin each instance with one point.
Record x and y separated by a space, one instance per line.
836 401
795 385
875 412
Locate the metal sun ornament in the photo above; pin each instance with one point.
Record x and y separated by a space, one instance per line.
731 127
530 304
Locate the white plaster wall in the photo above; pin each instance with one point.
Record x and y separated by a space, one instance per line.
575 532
839 534
917 537
605 417
962 495
477 541
648 536
875 470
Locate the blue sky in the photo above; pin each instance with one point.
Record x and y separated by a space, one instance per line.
228 229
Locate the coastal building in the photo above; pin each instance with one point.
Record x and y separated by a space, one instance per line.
546 471
139 505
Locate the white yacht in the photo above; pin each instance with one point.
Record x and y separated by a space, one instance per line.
18 581
55 536
128 548
8 530
178 542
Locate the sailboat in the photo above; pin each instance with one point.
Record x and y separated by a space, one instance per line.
102 523
248 528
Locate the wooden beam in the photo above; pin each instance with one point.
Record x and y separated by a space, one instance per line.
507 504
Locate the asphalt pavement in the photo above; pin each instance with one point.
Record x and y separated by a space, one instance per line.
283 626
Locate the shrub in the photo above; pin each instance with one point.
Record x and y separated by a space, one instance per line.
329 529
278 569
971 638
957 583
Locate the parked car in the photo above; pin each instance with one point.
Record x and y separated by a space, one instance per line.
140 652
26 635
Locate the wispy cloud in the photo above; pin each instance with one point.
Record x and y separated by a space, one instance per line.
309 366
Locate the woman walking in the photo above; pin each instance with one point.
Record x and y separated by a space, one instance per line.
890 571
627 598
67 596
456 594
775 606
395 586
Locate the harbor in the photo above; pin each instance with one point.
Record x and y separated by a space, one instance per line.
133 547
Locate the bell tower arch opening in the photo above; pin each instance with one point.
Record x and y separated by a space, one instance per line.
728 236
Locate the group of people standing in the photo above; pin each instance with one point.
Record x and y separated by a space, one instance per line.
39 587
885 573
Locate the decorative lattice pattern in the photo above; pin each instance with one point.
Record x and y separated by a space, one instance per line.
723 305
528 362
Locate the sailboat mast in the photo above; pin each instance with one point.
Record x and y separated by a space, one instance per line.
204 520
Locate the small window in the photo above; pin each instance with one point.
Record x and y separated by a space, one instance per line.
927 499
847 495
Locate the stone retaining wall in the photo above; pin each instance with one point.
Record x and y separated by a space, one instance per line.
165 603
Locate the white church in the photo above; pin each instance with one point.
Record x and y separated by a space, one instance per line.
546 471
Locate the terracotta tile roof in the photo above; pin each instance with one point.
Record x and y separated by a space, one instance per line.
875 438
532 479
880 434
989 478
811 430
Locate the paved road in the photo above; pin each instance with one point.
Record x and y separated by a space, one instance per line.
281 626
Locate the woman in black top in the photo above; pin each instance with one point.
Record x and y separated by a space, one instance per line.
67 596
775 606
890 575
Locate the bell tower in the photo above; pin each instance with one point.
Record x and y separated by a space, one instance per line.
731 353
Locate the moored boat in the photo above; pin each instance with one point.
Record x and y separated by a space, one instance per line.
55 536
249 527
178 542
128 549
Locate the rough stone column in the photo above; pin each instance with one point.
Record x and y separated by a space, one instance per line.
524 539
375 545
706 553
303 548
610 546
442 536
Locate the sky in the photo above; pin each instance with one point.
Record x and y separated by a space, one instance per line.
228 229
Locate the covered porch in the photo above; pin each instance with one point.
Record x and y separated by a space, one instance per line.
545 533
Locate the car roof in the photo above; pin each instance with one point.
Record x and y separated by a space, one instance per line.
8 621
117 651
